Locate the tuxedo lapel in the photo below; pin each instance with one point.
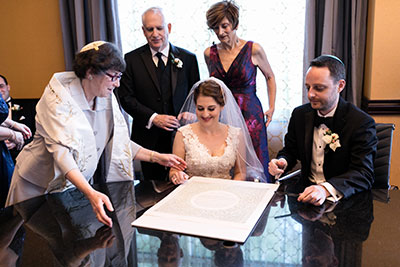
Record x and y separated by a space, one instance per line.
309 134
149 63
339 119
174 53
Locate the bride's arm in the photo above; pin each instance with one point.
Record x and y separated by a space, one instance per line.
175 175
240 164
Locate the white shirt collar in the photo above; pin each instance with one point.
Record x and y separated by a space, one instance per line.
330 113
165 51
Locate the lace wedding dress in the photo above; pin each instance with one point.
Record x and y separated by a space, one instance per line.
199 160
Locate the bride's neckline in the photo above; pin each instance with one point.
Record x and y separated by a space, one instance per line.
206 148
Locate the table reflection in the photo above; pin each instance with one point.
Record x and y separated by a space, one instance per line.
73 234
62 230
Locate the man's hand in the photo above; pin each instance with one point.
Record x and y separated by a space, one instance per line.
187 116
314 194
277 166
166 122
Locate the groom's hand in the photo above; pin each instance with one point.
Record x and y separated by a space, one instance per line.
166 122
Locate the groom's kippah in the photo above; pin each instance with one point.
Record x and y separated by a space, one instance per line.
335 58
93 45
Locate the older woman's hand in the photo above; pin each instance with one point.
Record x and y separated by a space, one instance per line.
26 132
98 200
170 160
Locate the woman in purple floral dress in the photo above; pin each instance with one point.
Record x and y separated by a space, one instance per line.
235 62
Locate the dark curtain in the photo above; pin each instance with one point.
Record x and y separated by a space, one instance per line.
338 27
85 21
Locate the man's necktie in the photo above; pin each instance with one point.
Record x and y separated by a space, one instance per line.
321 120
9 108
160 66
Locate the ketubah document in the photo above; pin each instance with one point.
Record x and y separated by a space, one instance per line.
209 207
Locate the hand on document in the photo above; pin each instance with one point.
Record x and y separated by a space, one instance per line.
178 177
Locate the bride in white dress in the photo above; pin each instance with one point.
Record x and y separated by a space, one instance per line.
214 140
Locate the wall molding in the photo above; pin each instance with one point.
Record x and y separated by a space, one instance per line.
381 107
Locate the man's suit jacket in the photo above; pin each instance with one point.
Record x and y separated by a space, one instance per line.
24 112
350 168
140 93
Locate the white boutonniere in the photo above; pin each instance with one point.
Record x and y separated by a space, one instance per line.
177 62
16 107
331 139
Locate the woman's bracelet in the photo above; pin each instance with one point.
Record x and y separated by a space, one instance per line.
152 156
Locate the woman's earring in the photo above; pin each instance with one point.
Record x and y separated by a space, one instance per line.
90 77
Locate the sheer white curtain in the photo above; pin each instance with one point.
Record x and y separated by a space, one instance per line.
277 25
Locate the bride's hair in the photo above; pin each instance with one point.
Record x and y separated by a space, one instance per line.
212 89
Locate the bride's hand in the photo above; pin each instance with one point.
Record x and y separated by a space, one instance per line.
170 160
178 177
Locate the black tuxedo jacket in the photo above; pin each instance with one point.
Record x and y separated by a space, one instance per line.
140 93
350 168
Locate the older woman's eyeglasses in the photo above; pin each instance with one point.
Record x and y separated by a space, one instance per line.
114 77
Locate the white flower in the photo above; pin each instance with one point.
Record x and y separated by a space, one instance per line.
16 107
335 145
331 139
178 63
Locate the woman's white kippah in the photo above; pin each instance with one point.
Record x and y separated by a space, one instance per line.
93 45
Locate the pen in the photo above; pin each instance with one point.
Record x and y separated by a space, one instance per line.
290 175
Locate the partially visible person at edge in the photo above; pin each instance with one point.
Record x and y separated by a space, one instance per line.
81 134
14 133
235 62
154 86
18 110
334 140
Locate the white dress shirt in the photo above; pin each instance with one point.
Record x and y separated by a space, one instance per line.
317 162
164 57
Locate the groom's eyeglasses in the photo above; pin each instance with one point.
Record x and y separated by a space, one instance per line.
114 77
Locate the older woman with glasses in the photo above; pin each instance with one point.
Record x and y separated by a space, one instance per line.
81 134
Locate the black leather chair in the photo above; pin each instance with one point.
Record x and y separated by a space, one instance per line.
384 132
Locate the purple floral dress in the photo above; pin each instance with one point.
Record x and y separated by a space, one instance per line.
241 79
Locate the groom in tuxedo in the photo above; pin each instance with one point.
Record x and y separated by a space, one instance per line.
334 140
157 79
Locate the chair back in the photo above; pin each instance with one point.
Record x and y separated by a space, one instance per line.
384 132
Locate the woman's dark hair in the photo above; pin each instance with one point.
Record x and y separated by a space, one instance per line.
105 57
218 11
212 89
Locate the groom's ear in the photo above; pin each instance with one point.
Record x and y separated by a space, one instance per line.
169 28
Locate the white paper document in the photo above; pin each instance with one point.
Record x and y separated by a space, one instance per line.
209 207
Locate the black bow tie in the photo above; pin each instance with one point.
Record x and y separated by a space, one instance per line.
321 120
